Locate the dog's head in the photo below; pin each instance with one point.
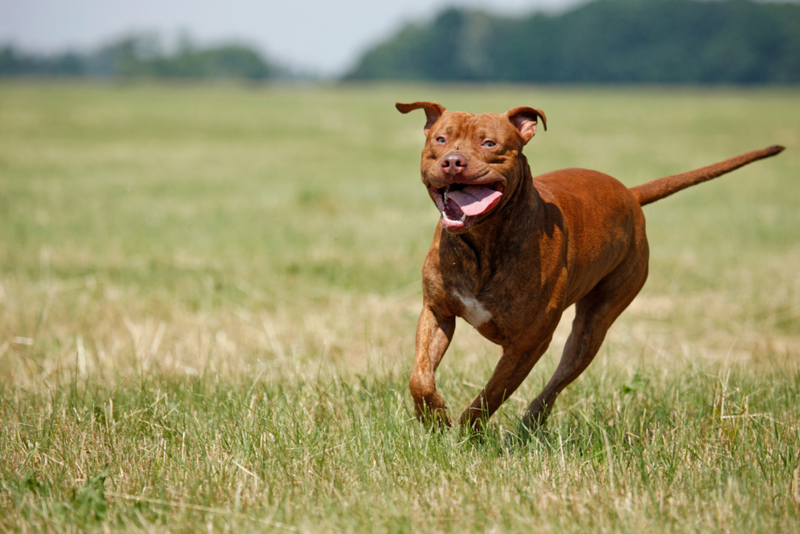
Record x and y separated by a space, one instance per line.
471 163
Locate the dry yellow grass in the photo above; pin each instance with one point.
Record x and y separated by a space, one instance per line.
208 298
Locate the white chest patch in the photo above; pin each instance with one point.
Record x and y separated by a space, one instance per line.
474 312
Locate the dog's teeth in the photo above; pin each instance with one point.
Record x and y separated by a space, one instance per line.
463 217
445 196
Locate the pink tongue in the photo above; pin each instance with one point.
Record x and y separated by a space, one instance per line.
474 199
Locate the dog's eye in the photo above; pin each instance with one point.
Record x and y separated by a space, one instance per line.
489 143
441 140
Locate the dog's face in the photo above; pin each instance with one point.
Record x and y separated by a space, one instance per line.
471 163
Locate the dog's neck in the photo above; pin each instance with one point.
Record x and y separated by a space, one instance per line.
503 229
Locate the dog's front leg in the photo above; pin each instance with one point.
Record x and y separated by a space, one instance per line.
514 366
434 332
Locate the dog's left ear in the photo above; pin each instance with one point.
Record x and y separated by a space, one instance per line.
525 120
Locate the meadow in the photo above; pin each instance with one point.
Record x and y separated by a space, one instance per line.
208 296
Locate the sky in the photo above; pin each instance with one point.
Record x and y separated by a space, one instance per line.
323 38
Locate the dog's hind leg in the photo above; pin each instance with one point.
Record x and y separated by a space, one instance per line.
594 314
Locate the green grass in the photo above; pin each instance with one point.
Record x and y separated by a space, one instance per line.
208 297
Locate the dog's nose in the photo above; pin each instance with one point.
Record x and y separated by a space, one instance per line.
454 163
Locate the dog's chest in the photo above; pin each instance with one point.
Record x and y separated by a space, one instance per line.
472 310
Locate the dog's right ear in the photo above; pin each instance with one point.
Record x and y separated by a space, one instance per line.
433 111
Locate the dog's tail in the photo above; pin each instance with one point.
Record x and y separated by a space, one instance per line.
664 187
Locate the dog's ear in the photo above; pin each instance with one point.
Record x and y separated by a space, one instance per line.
525 120
432 111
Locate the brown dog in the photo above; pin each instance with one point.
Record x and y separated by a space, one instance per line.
512 252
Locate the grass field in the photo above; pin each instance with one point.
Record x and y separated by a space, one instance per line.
208 297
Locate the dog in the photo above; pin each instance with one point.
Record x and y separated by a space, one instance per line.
511 252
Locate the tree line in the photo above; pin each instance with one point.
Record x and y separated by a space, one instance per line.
605 41
142 56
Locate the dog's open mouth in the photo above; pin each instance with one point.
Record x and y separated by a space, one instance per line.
462 204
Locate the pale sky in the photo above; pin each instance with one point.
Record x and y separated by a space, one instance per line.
322 37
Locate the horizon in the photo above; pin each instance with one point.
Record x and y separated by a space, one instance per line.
307 37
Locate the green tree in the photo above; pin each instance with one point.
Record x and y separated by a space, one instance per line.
606 41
